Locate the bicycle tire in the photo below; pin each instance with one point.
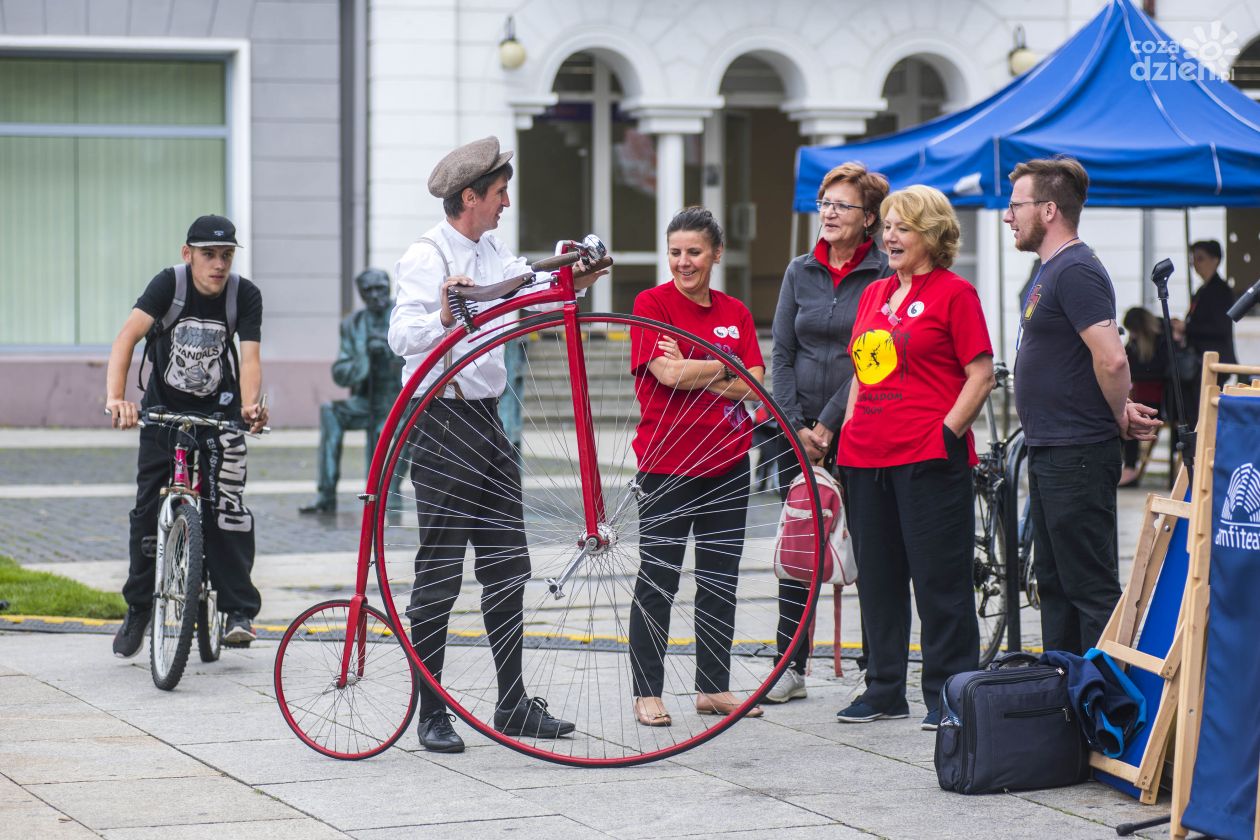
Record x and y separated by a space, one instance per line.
179 585
574 647
209 626
368 714
989 575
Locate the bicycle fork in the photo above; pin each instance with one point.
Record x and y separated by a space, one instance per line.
598 536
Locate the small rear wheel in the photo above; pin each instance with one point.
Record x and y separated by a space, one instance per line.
174 606
209 626
356 717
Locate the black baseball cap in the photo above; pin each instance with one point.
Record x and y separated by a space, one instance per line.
212 230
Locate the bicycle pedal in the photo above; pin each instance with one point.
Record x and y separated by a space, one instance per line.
148 547
236 645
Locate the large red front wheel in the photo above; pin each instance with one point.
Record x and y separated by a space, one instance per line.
357 715
717 618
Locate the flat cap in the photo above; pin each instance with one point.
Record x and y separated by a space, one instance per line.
465 165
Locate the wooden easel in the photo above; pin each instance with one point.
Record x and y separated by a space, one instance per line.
1120 636
1195 605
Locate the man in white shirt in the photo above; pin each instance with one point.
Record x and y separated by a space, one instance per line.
467 482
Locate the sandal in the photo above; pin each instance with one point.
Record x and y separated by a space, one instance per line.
650 711
722 703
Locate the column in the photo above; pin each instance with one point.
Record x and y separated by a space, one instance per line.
669 121
601 176
669 190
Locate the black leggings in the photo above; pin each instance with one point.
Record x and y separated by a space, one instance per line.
717 508
468 489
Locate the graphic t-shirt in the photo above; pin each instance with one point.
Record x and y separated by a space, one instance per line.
192 370
909 373
1056 391
692 433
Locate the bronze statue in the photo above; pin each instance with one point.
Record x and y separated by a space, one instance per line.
371 371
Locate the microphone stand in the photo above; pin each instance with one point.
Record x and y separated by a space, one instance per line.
1185 436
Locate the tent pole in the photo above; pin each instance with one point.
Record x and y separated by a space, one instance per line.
1185 219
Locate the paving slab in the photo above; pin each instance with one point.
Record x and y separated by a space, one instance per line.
281 829
551 828
418 795
676 807
140 802
286 759
96 759
948 816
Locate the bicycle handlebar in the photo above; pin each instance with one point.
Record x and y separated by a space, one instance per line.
149 416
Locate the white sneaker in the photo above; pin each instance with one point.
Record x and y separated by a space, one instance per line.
789 687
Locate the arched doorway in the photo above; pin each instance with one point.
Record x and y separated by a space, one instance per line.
586 167
753 182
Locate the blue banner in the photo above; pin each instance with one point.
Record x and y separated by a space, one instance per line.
1223 791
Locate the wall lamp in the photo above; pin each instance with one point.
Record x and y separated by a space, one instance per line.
511 52
1021 59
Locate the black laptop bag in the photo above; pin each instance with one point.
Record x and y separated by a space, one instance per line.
1010 727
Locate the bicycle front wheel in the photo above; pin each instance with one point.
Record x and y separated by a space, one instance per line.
178 594
356 717
675 593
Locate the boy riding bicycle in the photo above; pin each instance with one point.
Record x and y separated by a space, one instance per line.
188 315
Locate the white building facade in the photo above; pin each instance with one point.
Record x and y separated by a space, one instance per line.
623 112
314 124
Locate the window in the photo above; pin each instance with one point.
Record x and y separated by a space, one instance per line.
104 164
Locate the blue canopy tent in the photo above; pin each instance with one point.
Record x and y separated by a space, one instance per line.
1154 129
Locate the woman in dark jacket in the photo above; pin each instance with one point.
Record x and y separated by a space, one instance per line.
809 363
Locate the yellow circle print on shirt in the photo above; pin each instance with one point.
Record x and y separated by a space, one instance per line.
874 356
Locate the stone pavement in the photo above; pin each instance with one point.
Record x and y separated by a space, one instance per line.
88 747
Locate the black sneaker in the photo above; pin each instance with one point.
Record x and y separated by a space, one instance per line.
239 632
530 718
931 721
437 734
130 637
859 712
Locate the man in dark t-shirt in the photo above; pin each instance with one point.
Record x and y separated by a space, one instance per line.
194 371
1071 392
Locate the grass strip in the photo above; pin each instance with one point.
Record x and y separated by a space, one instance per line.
44 593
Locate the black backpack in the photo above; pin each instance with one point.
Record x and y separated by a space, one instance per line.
163 325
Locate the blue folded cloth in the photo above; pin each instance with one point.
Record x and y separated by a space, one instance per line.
1110 709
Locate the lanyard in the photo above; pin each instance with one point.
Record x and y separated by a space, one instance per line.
1032 288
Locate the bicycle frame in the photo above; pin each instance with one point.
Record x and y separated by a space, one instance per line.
184 488
559 291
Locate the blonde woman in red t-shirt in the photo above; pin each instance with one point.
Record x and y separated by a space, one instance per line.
923 365
692 445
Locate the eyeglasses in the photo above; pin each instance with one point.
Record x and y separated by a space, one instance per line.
838 206
1015 205
886 309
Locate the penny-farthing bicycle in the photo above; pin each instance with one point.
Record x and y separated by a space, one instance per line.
346 673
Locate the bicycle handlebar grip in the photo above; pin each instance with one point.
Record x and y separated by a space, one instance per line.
558 261
598 265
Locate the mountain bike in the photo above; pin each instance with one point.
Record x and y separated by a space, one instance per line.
346 673
1003 530
181 576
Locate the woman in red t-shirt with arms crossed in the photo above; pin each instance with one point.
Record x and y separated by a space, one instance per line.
692 446
923 366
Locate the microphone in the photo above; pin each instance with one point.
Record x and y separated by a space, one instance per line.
1243 305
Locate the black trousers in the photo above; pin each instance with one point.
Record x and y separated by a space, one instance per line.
1073 491
468 490
714 508
227 526
915 524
